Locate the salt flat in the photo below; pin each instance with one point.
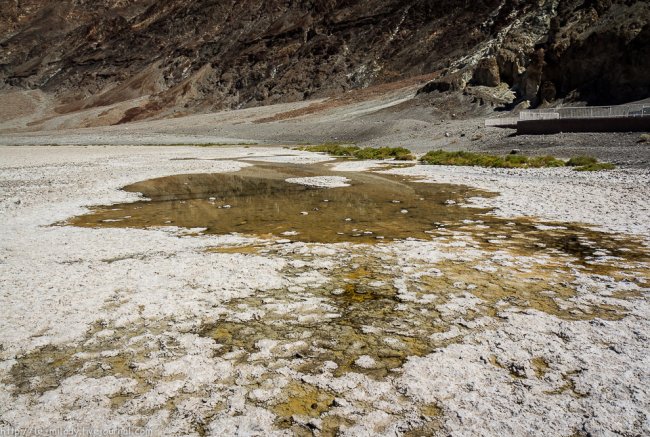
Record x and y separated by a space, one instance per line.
467 330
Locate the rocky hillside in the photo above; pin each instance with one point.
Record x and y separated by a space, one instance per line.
202 55
596 51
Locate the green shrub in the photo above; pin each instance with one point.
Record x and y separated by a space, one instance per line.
545 161
471 159
579 161
440 157
397 153
516 159
596 167
379 153
334 149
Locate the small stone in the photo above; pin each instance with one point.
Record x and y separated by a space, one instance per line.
304 213
447 134
517 369
514 151
348 219
397 201
404 211
227 206
212 198
450 202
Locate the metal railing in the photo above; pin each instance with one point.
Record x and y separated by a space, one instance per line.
634 110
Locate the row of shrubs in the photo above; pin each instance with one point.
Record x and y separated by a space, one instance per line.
441 157
337 149
579 163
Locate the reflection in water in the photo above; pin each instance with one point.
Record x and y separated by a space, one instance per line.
260 202
375 208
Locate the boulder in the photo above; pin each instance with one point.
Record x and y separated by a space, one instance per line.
487 73
548 91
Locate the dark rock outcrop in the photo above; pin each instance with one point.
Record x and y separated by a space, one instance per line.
487 72
595 51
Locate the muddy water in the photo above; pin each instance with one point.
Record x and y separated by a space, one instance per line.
259 202
375 208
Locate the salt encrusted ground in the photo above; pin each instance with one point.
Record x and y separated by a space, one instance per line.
616 201
112 328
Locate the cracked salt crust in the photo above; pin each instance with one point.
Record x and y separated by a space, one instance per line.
57 282
617 201
321 181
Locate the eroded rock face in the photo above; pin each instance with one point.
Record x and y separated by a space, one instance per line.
594 51
487 72
191 55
